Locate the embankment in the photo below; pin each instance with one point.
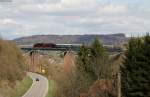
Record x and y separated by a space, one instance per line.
12 67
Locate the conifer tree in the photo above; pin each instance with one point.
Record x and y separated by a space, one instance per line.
85 76
83 58
136 69
92 64
145 67
100 60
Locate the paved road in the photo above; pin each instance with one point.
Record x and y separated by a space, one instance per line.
38 88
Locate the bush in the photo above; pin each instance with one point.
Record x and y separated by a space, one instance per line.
11 62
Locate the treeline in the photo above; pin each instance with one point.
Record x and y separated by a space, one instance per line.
135 71
93 67
93 74
12 67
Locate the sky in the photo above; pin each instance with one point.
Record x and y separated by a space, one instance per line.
37 17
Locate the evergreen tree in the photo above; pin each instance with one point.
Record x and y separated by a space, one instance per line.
135 70
145 67
92 64
85 76
83 58
100 60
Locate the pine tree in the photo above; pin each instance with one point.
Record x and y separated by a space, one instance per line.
85 76
145 82
83 62
134 72
100 60
92 64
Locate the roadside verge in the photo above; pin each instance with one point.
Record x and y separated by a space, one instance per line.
50 88
23 87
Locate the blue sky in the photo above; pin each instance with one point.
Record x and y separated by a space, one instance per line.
32 17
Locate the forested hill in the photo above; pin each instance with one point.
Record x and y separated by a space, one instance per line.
111 39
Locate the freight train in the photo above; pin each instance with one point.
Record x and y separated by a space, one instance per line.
64 47
44 45
52 46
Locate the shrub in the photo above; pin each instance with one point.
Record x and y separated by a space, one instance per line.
11 62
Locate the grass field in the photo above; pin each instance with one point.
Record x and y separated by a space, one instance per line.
50 90
22 87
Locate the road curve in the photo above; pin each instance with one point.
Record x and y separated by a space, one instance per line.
38 88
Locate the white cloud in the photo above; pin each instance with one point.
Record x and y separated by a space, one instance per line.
7 21
27 17
114 9
63 6
40 8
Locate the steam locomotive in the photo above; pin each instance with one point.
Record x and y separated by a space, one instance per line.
44 45
56 46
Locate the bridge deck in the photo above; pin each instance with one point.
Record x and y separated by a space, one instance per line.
65 47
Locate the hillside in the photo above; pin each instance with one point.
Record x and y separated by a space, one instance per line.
111 39
10 60
12 68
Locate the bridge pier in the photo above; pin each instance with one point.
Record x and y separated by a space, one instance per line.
33 59
69 61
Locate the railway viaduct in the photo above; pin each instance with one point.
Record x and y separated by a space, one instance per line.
33 51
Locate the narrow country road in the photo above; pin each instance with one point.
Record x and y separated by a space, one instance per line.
38 88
